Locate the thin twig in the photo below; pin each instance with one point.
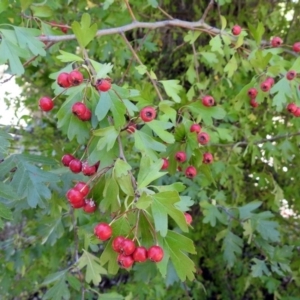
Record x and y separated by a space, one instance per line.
130 11
196 64
76 241
208 8
165 13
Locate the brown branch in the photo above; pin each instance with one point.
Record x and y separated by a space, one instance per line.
208 8
130 11
165 13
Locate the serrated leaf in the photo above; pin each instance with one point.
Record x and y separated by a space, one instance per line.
169 112
111 196
172 89
7 192
121 168
5 213
142 69
185 203
42 11
68 57
153 3
191 36
54 277
231 67
259 268
216 44
210 57
109 136
144 201
283 90
212 214
59 291
246 210
158 128
232 246
102 69
118 110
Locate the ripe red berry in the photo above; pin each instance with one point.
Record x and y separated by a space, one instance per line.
82 187
296 47
79 109
148 114
155 253
252 93
165 164
74 196
86 116
207 158
79 204
195 128
203 138
292 107
265 86
254 103
46 103
131 128
236 30
125 261
296 113
75 77
75 165
88 170
63 80
190 172
290 75
140 254
180 156
103 231
208 101
66 159
276 41
116 244
270 80
89 206
103 85
64 29
127 247
188 218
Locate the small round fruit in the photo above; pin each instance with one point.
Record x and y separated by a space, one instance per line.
127 247
125 261
292 107
131 128
79 204
140 254
165 164
180 156
79 109
89 206
82 187
190 172
64 29
252 93
155 253
63 80
116 244
75 77
276 41
74 196
265 86
103 85
254 103
46 103
290 75
88 170
188 218
296 47
195 128
270 80
75 165
66 159
203 138
148 114
207 158
296 113
103 231
208 101
236 30
86 116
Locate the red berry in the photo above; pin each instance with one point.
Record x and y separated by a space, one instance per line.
254 103
180 156
79 204
140 254
296 113
89 206
276 41
165 164
296 47
75 165
292 107
207 158
265 86
252 93
131 128
270 80
103 85
46 103
125 261
188 218
63 80
208 101
75 77
66 159
64 29
116 244
203 138
190 172
155 253
147 114
195 128
88 170
290 75
103 231
236 30
86 116
127 247
82 187
79 109
74 196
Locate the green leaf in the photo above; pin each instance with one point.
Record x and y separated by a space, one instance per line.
212 214
283 90
296 65
59 291
172 89
54 277
42 11
191 36
163 204
103 106
3 5
259 268
25 4
231 67
232 245
109 137
142 69
169 112
210 57
68 57
101 69
118 110
83 31
158 127
111 196
144 201
7 192
111 296
246 210
4 141
223 22
51 231
5 213
216 44
93 267
123 177
121 168
153 3
185 203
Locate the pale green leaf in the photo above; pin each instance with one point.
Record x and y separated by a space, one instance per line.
172 89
